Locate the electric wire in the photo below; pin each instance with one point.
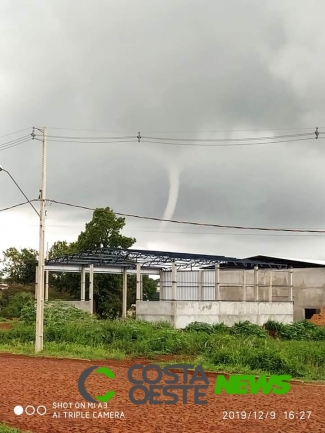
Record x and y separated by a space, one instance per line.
193 233
186 132
16 205
13 133
14 143
92 138
275 137
229 144
91 142
193 223
292 230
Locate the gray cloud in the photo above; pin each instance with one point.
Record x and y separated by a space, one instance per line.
162 67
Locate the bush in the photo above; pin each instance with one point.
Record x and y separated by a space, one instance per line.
55 313
248 328
199 327
16 304
302 330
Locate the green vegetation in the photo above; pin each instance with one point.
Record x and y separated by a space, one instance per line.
6 429
104 229
298 350
13 301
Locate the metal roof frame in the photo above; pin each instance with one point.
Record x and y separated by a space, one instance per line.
119 258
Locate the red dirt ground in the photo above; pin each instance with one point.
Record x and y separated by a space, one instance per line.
40 381
5 325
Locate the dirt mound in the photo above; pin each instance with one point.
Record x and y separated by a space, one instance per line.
319 319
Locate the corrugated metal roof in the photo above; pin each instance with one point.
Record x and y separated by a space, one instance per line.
129 258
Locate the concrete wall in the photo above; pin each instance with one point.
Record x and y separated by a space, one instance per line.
181 313
308 290
82 305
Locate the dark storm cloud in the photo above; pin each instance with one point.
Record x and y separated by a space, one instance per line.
166 66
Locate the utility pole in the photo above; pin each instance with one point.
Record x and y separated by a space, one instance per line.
47 275
41 254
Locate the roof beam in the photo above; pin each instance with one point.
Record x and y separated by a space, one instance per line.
99 269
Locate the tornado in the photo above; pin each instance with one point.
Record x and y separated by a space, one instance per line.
174 183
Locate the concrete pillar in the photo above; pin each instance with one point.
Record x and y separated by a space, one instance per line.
83 284
138 297
270 287
36 281
125 292
291 284
91 282
174 282
255 283
47 278
244 286
217 282
91 287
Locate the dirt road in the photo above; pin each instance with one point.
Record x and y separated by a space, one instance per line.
36 382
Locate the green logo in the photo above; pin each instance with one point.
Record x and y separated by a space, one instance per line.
82 389
248 384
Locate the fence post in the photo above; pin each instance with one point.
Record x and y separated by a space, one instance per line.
47 278
217 282
125 292
270 287
256 283
139 282
244 285
174 281
91 287
161 287
141 287
200 277
83 283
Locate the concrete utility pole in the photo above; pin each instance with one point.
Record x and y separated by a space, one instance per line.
41 255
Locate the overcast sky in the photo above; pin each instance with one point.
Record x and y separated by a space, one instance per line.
173 69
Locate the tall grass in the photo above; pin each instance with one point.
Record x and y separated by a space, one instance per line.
299 349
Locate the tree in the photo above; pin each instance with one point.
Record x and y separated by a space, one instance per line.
20 266
62 248
102 231
149 287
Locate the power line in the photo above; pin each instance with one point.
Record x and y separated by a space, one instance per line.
15 140
193 223
229 144
193 233
276 137
178 221
91 138
92 142
186 132
16 205
11 177
13 143
13 133
231 139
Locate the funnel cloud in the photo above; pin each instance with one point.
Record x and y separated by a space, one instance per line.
174 184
